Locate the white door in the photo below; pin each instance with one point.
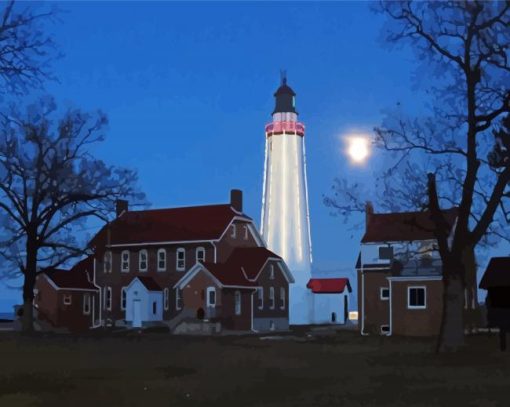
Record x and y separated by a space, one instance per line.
137 314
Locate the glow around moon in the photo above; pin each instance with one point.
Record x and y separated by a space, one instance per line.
358 148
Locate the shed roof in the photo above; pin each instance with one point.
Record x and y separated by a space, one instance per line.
329 285
497 273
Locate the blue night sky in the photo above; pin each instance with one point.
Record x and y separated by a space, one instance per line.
189 87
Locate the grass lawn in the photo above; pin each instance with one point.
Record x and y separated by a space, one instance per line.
163 370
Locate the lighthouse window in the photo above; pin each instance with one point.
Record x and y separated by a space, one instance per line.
293 101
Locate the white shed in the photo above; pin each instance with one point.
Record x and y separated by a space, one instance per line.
144 301
330 300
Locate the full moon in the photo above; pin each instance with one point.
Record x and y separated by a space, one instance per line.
358 149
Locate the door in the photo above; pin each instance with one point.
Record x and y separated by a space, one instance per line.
137 314
346 309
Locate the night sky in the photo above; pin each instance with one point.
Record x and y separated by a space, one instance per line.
189 87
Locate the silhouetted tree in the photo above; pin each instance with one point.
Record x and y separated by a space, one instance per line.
49 185
442 160
25 49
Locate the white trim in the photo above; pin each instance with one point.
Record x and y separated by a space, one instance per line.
86 299
207 297
122 269
245 232
283 301
166 299
251 324
178 295
57 288
391 310
158 268
233 231
177 252
417 278
140 253
69 296
260 304
108 304
238 308
256 235
271 271
123 298
424 288
381 297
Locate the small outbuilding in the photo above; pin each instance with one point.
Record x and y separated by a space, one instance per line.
330 300
144 302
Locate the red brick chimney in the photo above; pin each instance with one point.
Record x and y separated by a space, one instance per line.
121 206
236 199
369 212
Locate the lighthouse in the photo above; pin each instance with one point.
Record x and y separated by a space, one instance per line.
285 223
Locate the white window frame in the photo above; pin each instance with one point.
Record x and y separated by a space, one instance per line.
140 254
177 260
381 296
282 298
271 271
260 297
245 237
86 304
108 298
271 298
67 299
233 230
161 259
237 302
123 298
208 298
421 287
124 262
107 262
165 299
199 250
178 299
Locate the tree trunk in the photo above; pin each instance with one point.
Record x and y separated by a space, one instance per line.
451 334
27 325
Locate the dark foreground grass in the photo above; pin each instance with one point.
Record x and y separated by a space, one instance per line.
163 370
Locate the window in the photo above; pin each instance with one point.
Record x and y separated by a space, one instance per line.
271 297
107 262
142 260
178 299
384 293
233 231
245 237
68 299
180 260
416 297
211 297
108 298
333 317
123 295
386 252
260 292
154 307
124 262
271 272
237 298
282 297
165 298
200 254
86 304
161 260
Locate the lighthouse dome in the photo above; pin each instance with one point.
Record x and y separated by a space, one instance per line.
284 99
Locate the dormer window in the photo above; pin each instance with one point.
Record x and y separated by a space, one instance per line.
161 260
180 259
142 260
200 254
107 262
124 264
233 231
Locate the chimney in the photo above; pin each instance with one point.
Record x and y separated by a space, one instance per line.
236 199
369 211
121 206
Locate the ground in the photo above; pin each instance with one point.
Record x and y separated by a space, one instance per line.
338 369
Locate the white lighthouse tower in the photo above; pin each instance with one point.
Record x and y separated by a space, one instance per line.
285 218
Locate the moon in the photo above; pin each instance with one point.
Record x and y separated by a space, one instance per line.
358 149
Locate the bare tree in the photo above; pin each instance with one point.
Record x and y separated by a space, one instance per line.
49 185
465 49
25 49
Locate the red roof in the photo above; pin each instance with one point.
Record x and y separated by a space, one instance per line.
404 226
251 259
149 283
229 276
328 285
166 225
76 279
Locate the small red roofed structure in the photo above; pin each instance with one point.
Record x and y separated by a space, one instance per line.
330 300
